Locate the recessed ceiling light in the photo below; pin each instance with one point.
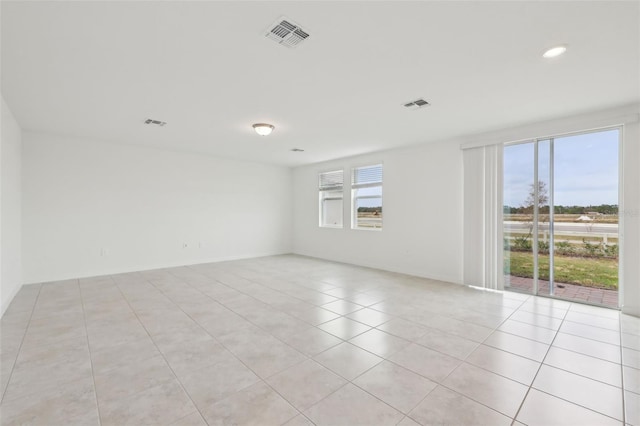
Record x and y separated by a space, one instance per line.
554 51
263 129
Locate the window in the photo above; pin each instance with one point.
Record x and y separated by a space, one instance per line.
366 193
330 187
560 198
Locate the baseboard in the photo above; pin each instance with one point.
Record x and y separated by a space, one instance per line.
631 310
7 301
149 267
413 273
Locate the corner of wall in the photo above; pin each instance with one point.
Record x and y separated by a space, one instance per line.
10 207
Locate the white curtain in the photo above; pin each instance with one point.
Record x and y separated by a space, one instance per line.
483 251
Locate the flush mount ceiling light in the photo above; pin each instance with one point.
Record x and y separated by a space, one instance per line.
555 51
263 129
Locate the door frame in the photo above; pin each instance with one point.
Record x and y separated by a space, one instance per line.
551 138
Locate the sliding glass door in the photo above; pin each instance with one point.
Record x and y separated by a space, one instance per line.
561 217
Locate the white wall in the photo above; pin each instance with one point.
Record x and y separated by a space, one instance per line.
626 116
423 206
630 219
141 205
422 214
10 206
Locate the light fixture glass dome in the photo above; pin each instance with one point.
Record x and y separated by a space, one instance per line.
555 51
263 129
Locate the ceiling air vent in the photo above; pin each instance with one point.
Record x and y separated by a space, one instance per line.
286 33
418 103
156 122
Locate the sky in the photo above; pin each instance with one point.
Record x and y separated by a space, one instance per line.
585 169
370 202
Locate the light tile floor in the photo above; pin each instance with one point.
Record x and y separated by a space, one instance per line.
299 341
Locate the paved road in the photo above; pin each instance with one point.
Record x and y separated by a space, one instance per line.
566 227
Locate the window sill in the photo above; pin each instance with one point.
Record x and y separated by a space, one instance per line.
367 229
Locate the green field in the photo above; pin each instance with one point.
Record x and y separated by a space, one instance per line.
588 272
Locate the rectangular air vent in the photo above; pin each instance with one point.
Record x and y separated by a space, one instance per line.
156 122
418 103
286 33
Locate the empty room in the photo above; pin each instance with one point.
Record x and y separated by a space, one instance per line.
320 213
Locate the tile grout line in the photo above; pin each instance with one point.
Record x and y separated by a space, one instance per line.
86 329
312 359
308 358
562 332
310 325
565 349
444 332
571 402
266 286
464 361
441 383
150 281
186 280
160 352
242 316
261 379
249 295
523 302
540 366
33 308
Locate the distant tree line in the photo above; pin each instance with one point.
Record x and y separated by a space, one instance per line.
602 209
370 209
543 198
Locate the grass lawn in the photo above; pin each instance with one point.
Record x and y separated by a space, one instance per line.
589 272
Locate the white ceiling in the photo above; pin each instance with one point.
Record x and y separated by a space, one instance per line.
99 69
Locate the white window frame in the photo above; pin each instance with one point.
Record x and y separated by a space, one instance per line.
354 198
322 191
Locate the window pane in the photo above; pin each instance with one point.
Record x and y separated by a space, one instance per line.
331 209
332 215
366 192
330 185
374 191
577 198
368 208
585 229
518 198
367 175
331 180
